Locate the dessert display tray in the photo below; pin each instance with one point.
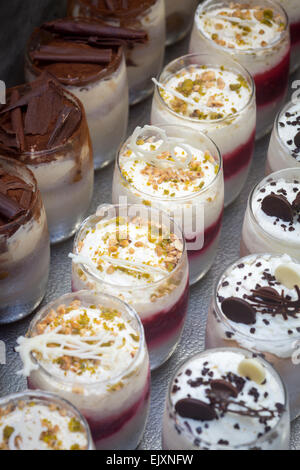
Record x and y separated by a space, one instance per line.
194 333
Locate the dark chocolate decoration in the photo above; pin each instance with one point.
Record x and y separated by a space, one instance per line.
66 125
9 208
297 140
195 409
296 202
276 205
269 301
17 121
239 311
223 389
72 54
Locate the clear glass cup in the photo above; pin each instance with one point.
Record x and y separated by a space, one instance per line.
143 60
24 253
179 17
48 400
255 238
104 96
116 415
65 177
268 65
280 352
234 135
199 215
177 435
279 155
292 7
161 305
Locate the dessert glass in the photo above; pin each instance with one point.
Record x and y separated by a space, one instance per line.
230 431
282 151
65 177
24 252
143 60
279 349
161 304
234 134
268 64
258 234
292 7
103 93
51 404
179 17
115 408
199 214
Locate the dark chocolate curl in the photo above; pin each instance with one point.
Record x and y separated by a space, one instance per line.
66 125
10 208
17 121
72 54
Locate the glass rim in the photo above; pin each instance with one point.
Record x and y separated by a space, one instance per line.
250 205
181 198
246 52
97 295
78 104
87 272
284 147
222 317
234 63
53 398
246 353
16 163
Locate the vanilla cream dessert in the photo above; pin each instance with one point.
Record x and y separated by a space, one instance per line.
33 422
284 148
94 356
256 34
144 263
216 99
226 399
182 176
272 220
292 8
257 306
179 16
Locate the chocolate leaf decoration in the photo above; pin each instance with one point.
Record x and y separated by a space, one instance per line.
277 205
239 311
223 389
195 409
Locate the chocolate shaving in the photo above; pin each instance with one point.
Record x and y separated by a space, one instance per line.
277 205
72 54
66 125
238 311
17 121
9 208
269 301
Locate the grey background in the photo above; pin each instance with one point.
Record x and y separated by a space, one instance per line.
60 275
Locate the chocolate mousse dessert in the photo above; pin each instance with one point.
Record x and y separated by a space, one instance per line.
24 242
144 60
45 127
86 56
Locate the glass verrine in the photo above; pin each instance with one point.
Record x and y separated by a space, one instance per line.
24 242
106 378
229 120
102 89
204 393
138 254
179 16
193 195
42 421
292 7
269 229
284 148
143 60
271 330
258 37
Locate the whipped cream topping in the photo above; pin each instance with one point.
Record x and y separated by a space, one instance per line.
38 426
227 429
241 28
129 252
81 344
289 130
165 167
249 274
206 93
287 232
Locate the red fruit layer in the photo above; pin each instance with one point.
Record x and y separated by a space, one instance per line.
210 235
271 84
